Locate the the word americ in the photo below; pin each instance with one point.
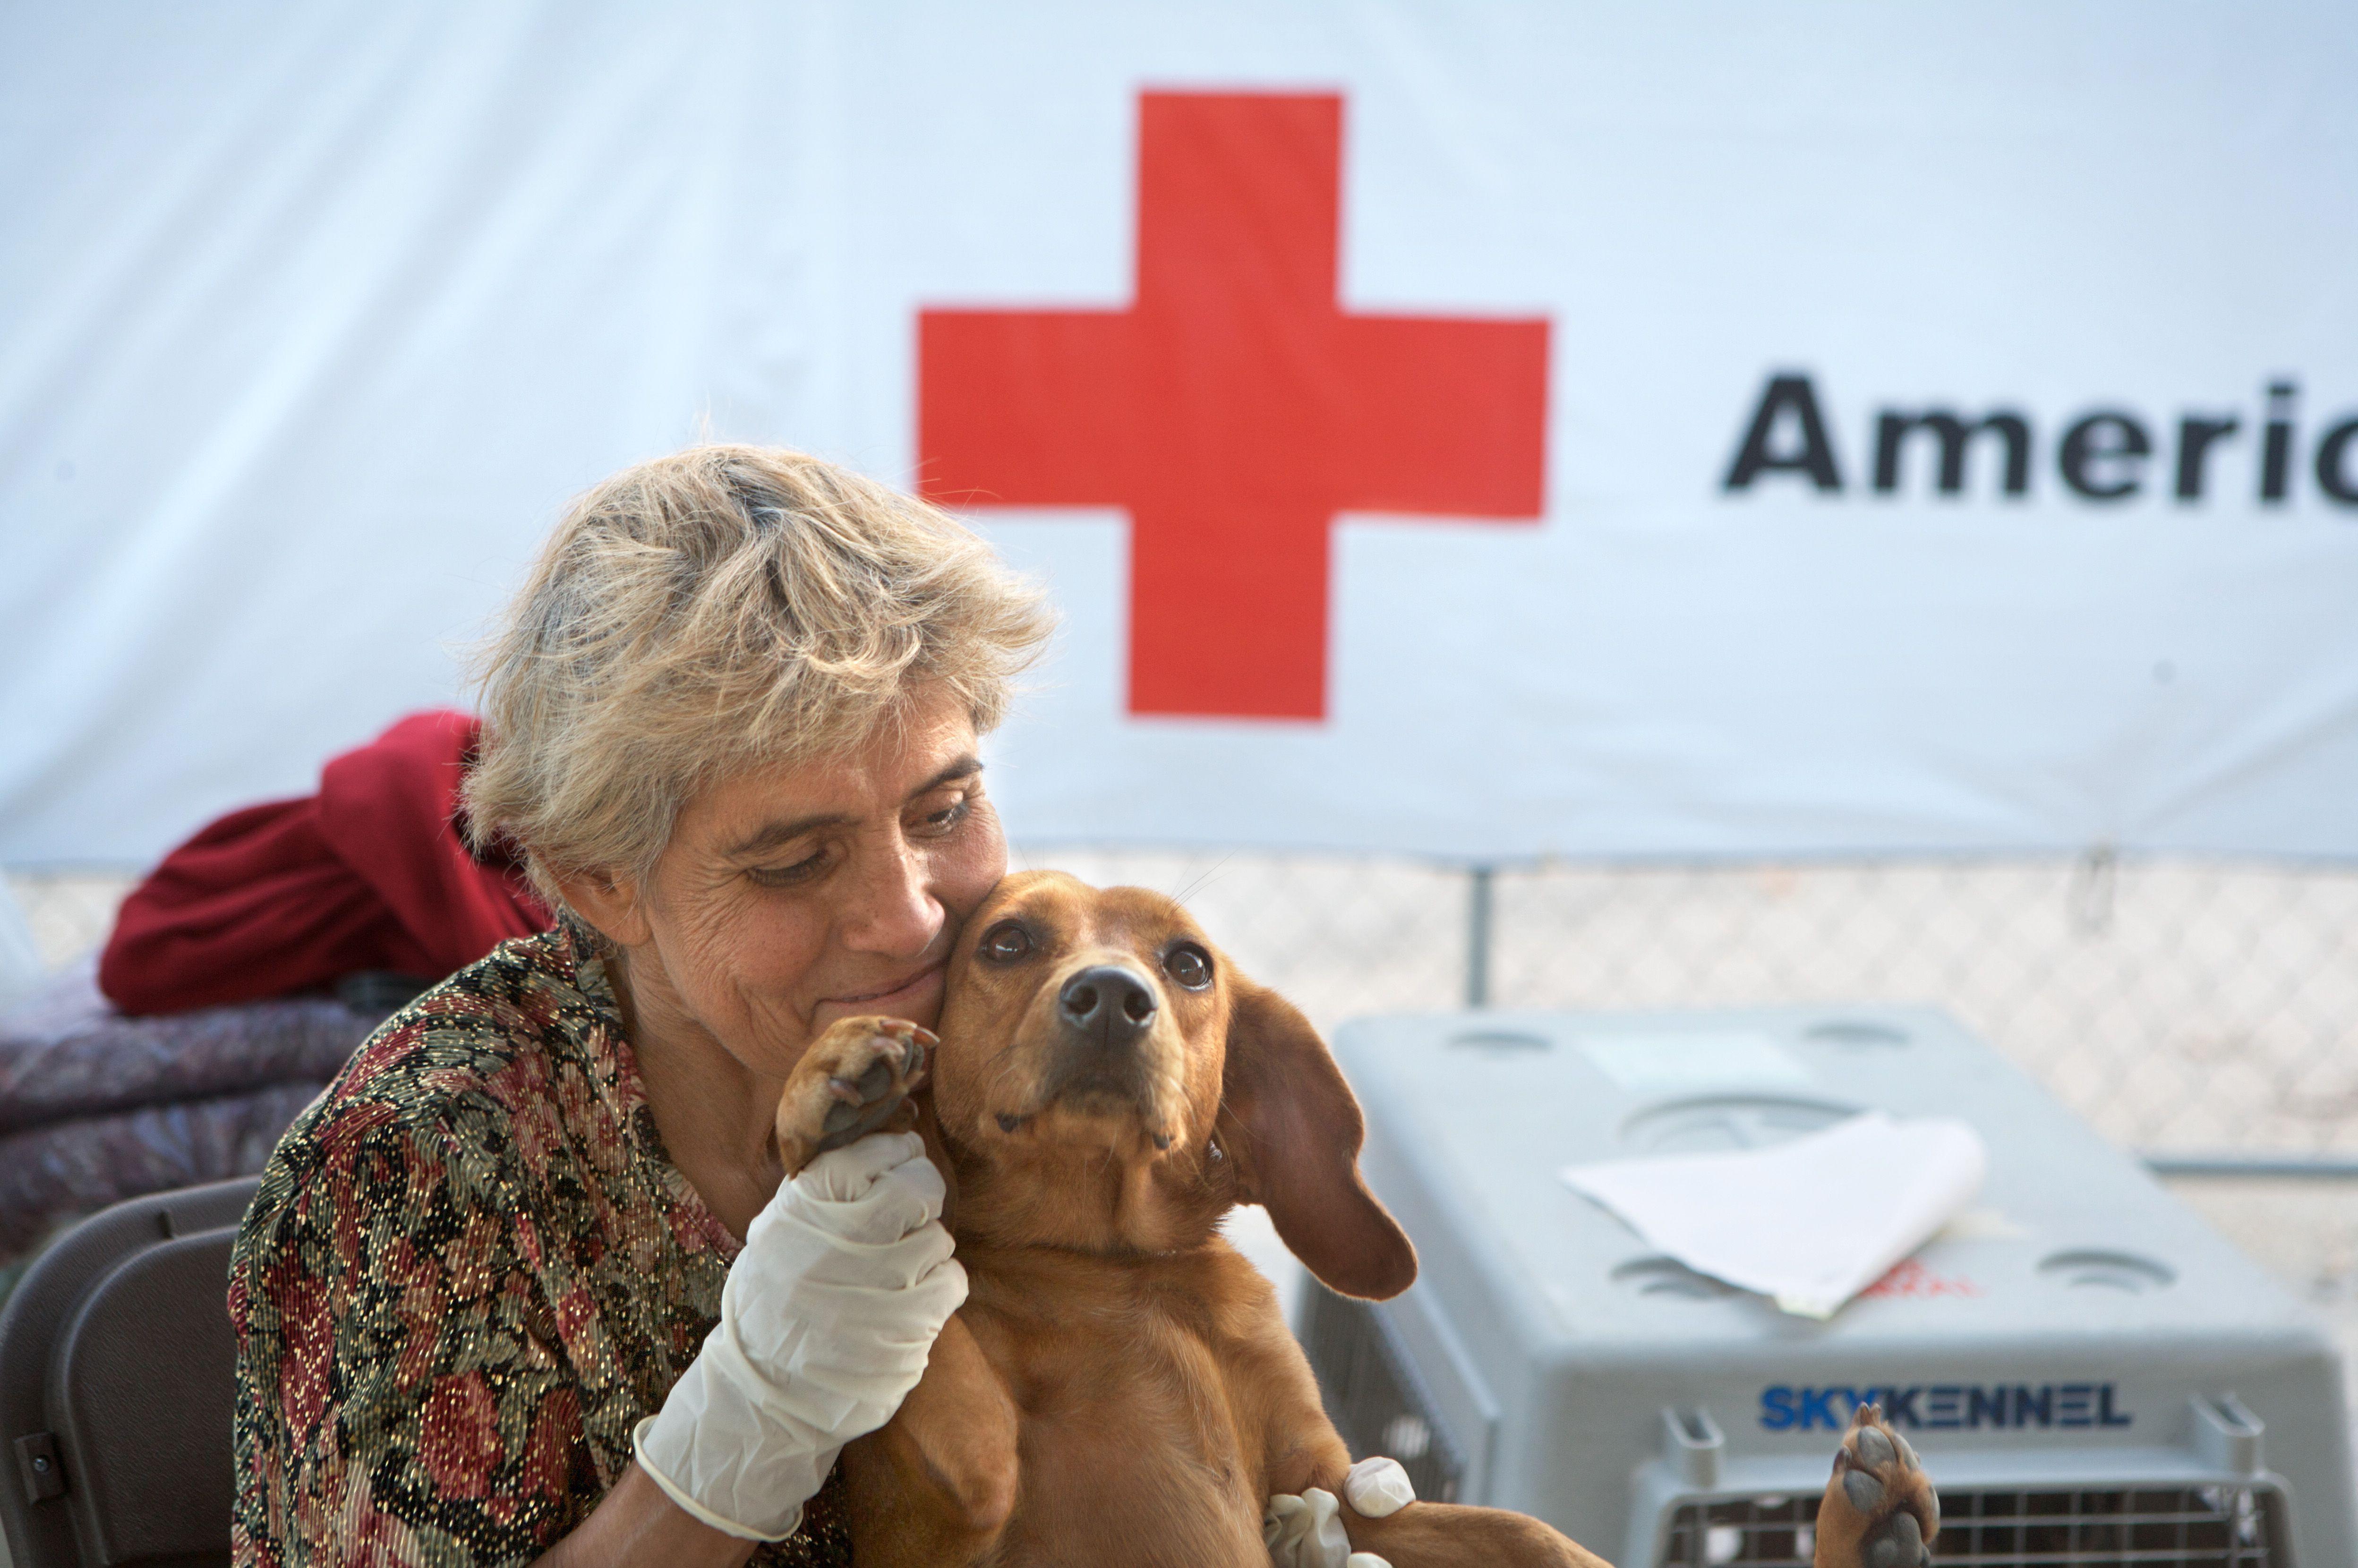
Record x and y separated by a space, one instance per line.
2103 455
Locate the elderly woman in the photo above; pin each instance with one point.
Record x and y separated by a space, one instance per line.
525 1282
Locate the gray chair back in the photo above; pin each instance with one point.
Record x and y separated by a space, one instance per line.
117 1375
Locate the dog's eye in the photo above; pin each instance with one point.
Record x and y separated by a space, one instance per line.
1189 965
1006 942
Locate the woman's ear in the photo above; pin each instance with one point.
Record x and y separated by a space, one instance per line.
1294 1129
610 906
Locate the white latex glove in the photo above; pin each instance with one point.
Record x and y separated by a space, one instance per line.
825 1323
1378 1487
1303 1531
1306 1532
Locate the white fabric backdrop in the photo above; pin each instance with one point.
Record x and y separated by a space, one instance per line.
310 320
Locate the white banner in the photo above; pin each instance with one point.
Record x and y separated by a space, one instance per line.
1482 432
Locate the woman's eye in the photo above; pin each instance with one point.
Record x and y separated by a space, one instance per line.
1006 942
802 871
950 815
1190 966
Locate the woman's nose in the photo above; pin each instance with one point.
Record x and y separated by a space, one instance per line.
891 909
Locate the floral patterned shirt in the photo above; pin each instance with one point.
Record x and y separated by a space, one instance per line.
471 1269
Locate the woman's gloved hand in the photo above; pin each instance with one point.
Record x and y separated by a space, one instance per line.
1305 1530
825 1323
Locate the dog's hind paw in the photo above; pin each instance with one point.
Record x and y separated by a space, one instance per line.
1879 1510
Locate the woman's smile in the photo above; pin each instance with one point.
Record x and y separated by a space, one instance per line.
917 998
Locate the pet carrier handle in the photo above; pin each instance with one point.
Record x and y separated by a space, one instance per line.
2227 1434
1694 1444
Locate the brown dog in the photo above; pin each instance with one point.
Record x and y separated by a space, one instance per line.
1120 1387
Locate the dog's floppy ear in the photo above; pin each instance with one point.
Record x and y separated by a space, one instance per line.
1293 1129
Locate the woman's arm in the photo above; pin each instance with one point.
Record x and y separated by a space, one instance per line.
398 1395
844 1284
635 1524
827 1321
401 1396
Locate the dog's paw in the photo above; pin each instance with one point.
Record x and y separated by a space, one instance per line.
1879 1510
854 1080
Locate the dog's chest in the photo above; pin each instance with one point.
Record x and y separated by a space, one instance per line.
1134 1447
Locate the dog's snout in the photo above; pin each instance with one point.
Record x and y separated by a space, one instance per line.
1108 1002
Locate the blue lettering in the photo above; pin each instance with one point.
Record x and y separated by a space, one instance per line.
1818 1410
1786 1407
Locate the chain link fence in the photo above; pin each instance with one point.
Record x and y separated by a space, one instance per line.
2205 1012
2184 1008
2191 1010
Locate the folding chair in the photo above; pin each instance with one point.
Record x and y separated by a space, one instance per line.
117 1371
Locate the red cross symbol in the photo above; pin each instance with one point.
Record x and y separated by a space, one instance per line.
1233 409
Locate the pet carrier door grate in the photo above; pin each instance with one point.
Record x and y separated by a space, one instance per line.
2200 1527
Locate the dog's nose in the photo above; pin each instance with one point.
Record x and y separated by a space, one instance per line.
1108 1002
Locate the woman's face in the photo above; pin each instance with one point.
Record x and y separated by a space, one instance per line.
789 897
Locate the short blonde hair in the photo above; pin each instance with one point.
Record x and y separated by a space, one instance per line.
721 608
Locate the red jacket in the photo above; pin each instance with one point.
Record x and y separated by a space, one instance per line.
370 873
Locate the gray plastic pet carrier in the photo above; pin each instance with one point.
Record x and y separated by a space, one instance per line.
2091 1374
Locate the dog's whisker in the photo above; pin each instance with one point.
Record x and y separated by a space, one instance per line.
1202 879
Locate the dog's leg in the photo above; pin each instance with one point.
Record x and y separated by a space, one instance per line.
935 1485
1450 1535
1303 1449
1879 1510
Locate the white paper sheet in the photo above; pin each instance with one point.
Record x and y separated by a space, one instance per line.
1809 1223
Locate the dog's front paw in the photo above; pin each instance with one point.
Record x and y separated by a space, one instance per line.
1879 1510
854 1080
